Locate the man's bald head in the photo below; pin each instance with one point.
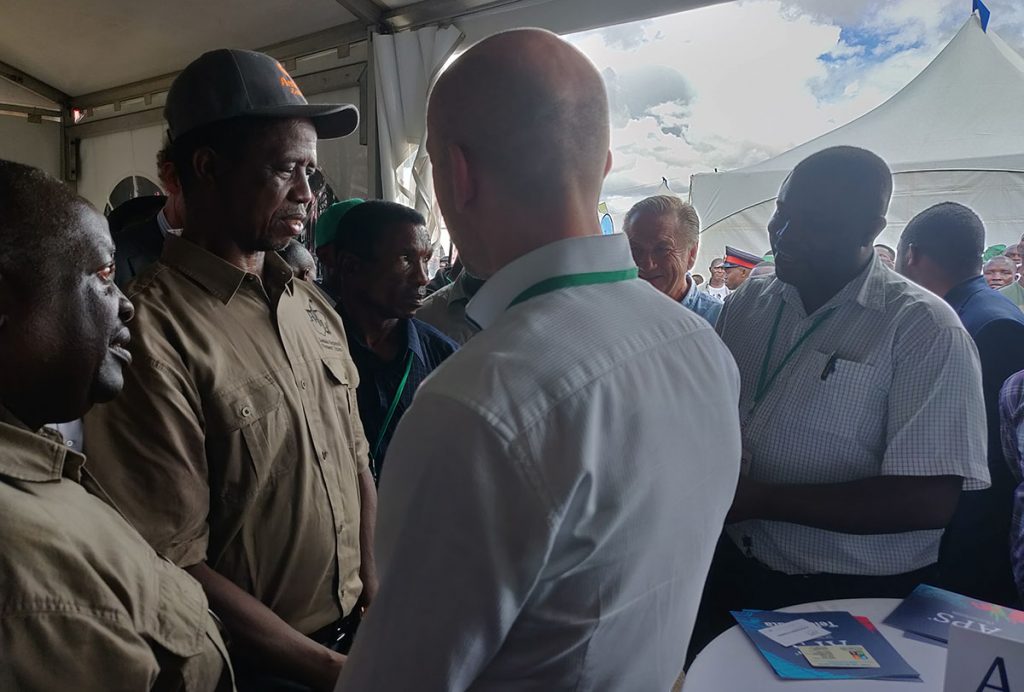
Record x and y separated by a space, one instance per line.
530 109
518 138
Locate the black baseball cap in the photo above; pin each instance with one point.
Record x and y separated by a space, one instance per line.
230 83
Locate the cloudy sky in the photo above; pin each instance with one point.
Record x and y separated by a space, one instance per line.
730 85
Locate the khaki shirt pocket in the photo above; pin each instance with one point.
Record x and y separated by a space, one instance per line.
246 423
185 635
343 379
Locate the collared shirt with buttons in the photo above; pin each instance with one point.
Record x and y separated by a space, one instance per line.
86 604
704 304
576 509
445 310
888 385
237 437
380 381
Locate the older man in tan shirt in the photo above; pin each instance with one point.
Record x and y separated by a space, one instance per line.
237 448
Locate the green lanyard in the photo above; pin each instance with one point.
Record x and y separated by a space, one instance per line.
570 280
391 414
764 382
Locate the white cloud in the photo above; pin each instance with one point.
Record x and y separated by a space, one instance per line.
729 85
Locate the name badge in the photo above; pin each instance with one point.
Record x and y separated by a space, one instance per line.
838 656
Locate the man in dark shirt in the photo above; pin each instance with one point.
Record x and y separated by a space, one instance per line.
941 250
382 250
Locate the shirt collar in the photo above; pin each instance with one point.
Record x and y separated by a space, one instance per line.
691 298
36 457
959 294
414 343
594 253
221 279
866 289
411 335
163 223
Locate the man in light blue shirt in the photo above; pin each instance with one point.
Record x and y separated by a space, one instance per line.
663 237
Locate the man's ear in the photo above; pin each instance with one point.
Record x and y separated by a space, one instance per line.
464 177
169 178
911 258
348 264
691 257
207 165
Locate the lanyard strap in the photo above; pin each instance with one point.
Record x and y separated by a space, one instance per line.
391 410
570 280
764 382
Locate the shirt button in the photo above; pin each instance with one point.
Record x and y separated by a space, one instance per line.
302 384
246 411
324 454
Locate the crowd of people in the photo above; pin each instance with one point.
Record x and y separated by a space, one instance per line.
591 455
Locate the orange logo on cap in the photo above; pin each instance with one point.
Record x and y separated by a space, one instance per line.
288 83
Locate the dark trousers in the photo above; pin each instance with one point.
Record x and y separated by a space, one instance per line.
736 582
249 677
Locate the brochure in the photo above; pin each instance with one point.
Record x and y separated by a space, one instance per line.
846 635
930 612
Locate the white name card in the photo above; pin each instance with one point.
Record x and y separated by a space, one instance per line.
978 662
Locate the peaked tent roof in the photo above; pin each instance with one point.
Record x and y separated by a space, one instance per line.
963 112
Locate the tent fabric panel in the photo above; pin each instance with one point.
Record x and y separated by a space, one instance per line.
33 144
105 160
344 162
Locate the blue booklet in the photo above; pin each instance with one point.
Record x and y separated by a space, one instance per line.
930 612
790 663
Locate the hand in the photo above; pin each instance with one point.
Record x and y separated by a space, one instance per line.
371 584
366 598
748 502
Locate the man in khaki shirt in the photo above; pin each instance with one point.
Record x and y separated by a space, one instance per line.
85 603
237 449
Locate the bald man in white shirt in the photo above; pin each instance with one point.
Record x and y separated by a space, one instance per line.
563 541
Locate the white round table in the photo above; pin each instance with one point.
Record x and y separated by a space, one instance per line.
731 662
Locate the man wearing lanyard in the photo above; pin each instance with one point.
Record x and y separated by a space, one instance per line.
861 406
382 250
577 514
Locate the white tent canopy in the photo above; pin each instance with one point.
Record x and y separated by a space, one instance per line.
952 134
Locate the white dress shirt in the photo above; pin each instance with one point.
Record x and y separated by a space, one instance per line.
888 385
553 496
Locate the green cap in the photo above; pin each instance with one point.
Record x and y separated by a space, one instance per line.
327 224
